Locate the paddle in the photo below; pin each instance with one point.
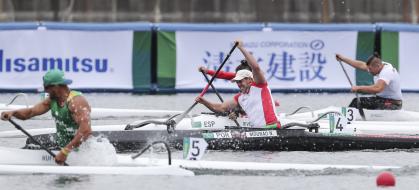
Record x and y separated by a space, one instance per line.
33 139
212 86
218 94
358 101
183 115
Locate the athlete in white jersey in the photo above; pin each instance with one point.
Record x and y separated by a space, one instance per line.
254 97
386 85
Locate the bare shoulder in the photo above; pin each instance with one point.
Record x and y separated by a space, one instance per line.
44 103
79 102
231 104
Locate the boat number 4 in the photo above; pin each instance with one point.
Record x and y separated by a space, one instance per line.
194 148
339 124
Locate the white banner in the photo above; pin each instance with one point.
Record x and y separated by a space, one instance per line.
92 59
290 59
408 56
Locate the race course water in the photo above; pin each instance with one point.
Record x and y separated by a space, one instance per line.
406 177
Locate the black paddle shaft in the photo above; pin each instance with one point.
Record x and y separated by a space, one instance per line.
358 101
33 139
219 96
212 86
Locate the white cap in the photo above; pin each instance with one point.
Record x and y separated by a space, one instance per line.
241 74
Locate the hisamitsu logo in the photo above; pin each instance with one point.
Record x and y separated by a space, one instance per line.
317 44
68 64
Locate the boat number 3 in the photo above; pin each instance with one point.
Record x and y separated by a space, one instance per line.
350 115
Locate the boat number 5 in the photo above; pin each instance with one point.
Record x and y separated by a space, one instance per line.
194 148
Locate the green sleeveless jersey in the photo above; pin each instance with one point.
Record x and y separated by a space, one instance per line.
64 122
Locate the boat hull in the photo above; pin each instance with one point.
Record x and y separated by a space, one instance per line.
249 139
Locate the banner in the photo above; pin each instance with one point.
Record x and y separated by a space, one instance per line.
166 59
92 59
408 56
289 59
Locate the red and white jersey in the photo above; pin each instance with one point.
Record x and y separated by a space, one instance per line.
258 105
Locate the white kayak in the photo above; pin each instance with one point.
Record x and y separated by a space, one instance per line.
212 122
209 122
100 113
370 115
20 161
95 170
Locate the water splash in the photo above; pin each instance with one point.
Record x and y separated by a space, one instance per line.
95 151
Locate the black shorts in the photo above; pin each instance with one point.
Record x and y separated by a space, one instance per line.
377 103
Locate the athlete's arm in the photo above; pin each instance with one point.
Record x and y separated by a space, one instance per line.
373 89
354 63
26 113
217 107
221 75
80 111
258 75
